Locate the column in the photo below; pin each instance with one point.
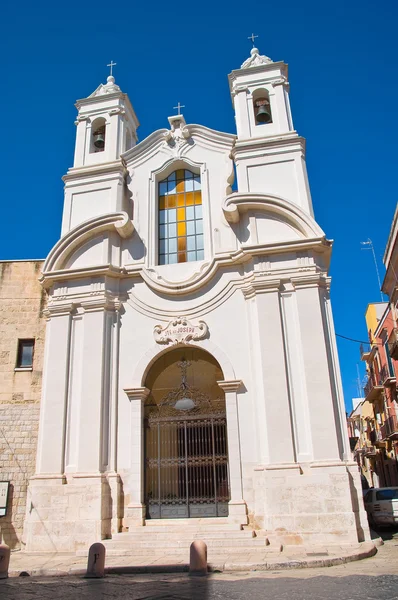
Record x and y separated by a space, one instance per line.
135 511
51 442
237 505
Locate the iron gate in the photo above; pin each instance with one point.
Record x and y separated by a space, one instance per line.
186 471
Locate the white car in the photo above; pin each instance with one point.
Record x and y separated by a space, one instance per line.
381 504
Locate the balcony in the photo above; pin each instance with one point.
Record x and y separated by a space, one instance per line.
389 430
369 449
373 388
386 377
393 344
364 351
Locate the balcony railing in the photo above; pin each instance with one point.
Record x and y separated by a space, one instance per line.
373 387
393 344
390 428
364 350
385 375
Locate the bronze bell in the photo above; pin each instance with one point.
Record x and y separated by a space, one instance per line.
99 139
263 114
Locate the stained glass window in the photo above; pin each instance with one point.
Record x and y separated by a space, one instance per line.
180 218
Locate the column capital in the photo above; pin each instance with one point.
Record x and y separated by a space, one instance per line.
230 385
139 393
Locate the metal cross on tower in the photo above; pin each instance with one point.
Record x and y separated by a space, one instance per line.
111 65
179 107
252 37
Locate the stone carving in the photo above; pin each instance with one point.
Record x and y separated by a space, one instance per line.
110 87
256 59
178 135
180 331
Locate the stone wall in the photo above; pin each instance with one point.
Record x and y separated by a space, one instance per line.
21 305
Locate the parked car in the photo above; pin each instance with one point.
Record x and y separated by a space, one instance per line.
381 504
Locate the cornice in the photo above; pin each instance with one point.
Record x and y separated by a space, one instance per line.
138 393
48 279
231 385
87 172
205 273
87 303
250 74
288 142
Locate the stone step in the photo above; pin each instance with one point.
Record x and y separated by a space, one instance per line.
187 527
181 535
194 522
172 544
179 554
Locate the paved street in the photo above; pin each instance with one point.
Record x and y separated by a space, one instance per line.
372 578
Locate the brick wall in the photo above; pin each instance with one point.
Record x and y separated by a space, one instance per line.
21 304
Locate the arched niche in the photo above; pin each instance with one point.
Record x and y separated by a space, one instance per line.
98 135
262 107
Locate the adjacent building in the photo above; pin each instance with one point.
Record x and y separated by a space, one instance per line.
376 450
22 302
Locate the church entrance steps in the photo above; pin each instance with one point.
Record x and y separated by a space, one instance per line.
167 535
208 522
147 541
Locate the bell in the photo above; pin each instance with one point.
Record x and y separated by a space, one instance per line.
263 114
99 139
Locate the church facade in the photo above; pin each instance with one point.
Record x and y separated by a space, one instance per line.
190 363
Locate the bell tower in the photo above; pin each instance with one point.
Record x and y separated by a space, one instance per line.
106 127
269 154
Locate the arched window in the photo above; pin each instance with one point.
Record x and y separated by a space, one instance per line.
262 107
180 218
98 132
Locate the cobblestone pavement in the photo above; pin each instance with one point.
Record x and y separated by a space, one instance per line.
372 578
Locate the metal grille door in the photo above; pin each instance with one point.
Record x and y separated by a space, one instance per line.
186 467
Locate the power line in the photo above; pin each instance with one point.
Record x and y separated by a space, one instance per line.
359 341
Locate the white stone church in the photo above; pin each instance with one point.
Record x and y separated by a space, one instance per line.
190 364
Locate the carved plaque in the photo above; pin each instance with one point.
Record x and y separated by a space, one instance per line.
180 331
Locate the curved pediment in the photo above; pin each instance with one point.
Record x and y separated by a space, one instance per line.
178 140
84 240
279 209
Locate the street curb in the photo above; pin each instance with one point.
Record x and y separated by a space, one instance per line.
271 565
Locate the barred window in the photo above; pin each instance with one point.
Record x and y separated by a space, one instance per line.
180 218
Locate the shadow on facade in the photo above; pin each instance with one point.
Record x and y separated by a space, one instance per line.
355 507
8 534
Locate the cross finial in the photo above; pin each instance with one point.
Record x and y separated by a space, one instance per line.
179 107
111 65
252 37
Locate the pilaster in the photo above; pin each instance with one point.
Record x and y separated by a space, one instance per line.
135 510
237 505
52 429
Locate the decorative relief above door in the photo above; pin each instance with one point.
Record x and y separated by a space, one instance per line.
180 331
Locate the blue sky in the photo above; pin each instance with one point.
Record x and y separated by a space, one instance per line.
342 58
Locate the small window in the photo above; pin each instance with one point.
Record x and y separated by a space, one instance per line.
25 354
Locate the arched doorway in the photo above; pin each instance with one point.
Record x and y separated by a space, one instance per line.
186 453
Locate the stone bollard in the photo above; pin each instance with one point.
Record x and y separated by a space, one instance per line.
198 558
96 561
4 560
